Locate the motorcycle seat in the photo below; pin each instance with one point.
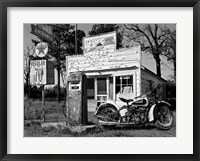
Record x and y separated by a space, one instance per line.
125 100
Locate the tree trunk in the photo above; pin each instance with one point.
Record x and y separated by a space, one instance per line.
158 67
27 92
58 87
29 86
58 69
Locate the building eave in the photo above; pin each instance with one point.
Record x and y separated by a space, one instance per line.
152 73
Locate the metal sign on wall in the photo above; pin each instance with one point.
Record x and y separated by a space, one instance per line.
104 43
119 59
41 72
40 32
41 49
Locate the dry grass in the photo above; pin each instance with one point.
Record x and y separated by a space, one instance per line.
54 113
53 110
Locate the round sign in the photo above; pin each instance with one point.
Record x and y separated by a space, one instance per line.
41 49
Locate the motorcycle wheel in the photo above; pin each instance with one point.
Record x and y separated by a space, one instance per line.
108 113
164 117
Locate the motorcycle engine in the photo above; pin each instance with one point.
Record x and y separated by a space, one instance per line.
124 113
133 116
137 118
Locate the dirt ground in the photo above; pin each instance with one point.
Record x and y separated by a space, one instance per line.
35 130
33 119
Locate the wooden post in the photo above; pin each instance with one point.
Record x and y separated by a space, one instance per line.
135 84
95 88
43 103
114 90
107 86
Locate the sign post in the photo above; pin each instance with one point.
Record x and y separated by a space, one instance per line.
41 71
43 103
45 32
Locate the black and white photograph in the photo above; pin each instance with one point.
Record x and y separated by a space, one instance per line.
99 80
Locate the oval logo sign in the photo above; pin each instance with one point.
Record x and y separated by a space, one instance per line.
41 49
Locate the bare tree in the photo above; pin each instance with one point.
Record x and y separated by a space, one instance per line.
150 37
170 49
28 55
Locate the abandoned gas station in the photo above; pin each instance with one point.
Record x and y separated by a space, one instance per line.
113 73
100 74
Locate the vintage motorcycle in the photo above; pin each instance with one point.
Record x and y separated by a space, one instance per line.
137 111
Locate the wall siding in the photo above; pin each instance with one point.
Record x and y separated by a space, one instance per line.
145 84
118 63
98 61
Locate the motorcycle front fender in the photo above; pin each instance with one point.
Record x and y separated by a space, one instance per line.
151 116
110 102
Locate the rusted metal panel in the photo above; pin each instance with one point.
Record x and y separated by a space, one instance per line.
77 98
50 72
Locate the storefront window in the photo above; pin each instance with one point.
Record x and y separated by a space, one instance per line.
101 86
124 84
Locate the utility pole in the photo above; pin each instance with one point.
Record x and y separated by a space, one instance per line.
76 39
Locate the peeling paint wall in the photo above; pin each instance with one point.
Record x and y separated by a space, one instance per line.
103 61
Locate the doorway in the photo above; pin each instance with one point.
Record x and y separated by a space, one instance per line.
102 94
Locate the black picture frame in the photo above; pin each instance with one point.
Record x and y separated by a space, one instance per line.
99 3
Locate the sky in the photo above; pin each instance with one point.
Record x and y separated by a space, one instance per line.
147 59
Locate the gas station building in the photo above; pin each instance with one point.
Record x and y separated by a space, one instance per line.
113 73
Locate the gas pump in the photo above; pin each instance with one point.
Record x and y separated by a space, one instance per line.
76 101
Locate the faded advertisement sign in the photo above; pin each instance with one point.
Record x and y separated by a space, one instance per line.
119 59
38 72
104 43
41 72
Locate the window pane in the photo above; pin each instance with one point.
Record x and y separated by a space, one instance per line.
127 89
124 84
130 81
101 86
